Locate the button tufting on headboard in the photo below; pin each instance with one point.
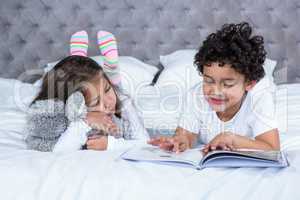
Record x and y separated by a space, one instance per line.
36 32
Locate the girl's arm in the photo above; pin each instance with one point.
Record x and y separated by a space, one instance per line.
135 135
73 138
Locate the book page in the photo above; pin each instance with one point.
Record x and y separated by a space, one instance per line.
258 154
153 153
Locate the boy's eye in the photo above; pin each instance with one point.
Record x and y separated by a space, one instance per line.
208 80
228 85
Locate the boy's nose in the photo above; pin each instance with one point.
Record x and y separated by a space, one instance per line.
217 89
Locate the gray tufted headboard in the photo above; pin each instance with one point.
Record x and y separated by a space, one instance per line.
34 32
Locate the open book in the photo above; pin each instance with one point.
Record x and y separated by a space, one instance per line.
219 158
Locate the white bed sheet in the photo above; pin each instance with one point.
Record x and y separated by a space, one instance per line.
103 175
86 175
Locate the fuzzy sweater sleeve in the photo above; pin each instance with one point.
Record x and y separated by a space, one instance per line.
55 126
46 122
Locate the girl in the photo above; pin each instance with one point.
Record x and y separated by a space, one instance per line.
234 107
75 80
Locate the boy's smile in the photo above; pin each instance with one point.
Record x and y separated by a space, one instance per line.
224 89
216 101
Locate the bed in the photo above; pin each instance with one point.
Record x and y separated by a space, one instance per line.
151 35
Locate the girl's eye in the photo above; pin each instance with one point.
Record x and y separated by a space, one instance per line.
107 89
94 103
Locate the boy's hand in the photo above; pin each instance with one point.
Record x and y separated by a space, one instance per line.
223 141
97 142
175 143
163 142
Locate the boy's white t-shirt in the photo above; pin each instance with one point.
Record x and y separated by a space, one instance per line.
256 114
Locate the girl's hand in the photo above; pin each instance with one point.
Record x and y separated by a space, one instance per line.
223 141
102 121
97 143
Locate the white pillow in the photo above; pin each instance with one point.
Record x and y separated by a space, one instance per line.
288 108
16 94
179 57
160 104
160 107
134 72
13 123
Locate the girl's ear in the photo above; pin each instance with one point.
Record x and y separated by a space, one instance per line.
250 85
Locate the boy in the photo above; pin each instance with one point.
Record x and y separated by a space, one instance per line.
233 107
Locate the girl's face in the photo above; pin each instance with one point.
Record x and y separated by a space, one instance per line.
224 88
100 96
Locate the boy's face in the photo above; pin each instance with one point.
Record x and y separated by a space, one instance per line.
224 88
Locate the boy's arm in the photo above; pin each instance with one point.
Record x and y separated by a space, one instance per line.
191 137
266 141
181 141
262 121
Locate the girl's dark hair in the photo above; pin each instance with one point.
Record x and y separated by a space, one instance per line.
68 76
234 45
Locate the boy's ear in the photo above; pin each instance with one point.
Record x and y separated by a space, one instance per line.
250 85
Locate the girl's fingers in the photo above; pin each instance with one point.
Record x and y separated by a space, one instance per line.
97 144
90 142
114 128
92 147
89 147
108 120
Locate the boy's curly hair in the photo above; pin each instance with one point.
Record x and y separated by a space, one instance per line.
234 45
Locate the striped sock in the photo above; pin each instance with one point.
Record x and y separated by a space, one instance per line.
108 47
79 43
